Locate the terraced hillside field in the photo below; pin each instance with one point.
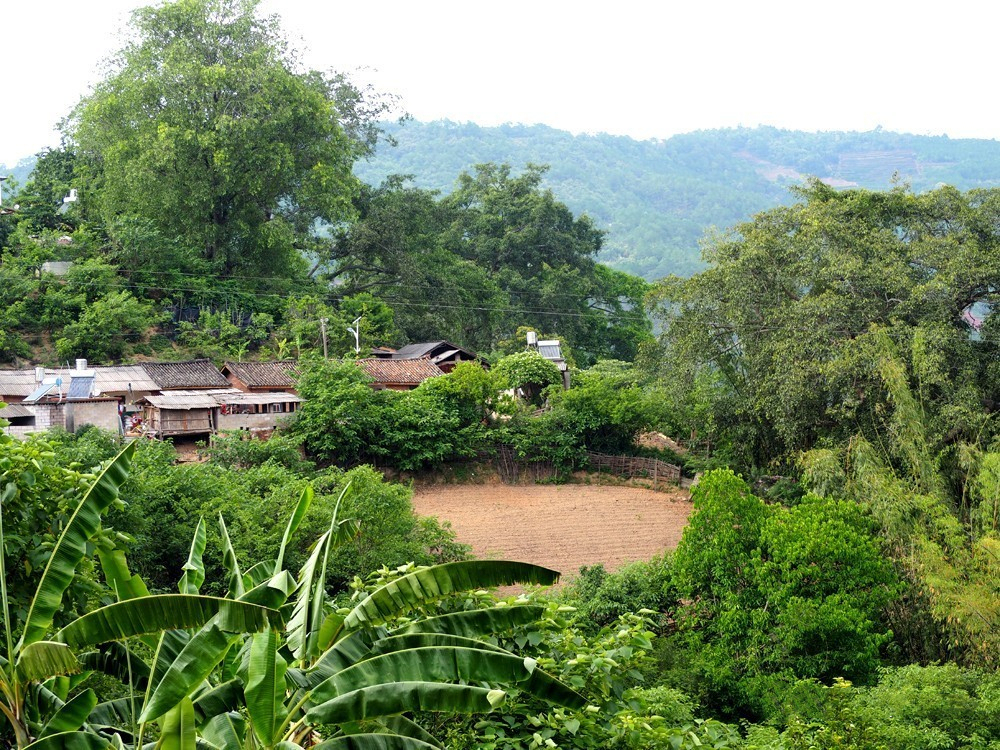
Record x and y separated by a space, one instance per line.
559 526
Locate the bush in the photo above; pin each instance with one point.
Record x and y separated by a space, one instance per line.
107 328
775 594
529 372
603 597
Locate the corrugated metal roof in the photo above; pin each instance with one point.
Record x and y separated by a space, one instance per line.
118 379
19 382
400 371
415 351
198 373
210 398
12 411
182 401
264 374
431 348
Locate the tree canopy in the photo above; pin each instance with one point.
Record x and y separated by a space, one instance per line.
785 323
499 253
208 134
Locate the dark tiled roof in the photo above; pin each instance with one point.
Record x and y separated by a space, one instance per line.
198 373
264 374
415 351
430 349
400 371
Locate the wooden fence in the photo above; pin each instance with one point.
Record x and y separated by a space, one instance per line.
513 470
635 467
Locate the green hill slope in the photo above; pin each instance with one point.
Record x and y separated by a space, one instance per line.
656 199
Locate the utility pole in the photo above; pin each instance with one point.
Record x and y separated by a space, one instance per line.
322 328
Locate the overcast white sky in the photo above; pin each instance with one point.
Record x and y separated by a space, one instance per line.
644 68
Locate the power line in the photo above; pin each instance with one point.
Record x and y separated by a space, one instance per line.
119 284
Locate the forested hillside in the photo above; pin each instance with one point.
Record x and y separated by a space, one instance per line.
656 199
831 374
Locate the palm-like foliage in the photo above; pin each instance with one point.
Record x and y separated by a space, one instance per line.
34 674
273 664
344 676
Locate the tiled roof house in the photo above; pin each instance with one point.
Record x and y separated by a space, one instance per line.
399 374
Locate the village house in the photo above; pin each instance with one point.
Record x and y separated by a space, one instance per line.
444 354
551 350
399 374
262 377
196 399
67 400
156 399
199 413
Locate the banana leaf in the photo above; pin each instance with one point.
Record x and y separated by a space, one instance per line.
178 730
231 564
265 687
188 670
374 742
225 730
71 716
119 578
376 701
220 699
302 624
427 640
403 594
344 653
72 546
477 623
70 741
43 659
194 567
408 728
301 508
150 614
115 660
448 663
117 714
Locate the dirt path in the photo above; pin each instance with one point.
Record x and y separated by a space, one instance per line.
559 526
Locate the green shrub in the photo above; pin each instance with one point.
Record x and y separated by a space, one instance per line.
603 597
775 594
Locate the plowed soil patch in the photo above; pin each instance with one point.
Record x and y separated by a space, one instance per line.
559 526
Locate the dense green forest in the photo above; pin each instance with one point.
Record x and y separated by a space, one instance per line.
830 374
657 199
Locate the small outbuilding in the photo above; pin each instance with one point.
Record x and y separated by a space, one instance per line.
193 413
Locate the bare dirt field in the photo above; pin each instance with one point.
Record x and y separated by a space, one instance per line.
559 526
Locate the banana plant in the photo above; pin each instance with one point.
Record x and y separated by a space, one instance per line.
38 671
327 677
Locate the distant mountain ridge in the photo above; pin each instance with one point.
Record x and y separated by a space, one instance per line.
657 198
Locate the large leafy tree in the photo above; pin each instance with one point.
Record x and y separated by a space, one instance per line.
543 259
499 253
208 134
783 324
